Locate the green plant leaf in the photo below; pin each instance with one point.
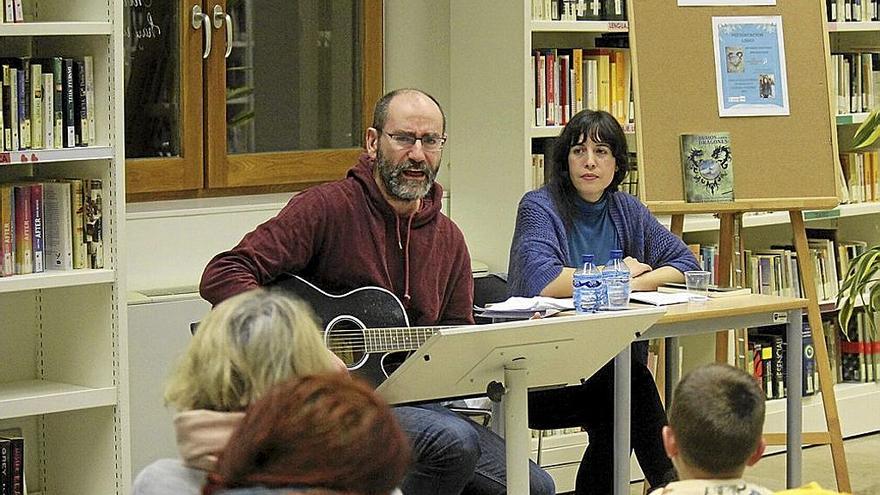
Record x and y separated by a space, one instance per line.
868 132
860 285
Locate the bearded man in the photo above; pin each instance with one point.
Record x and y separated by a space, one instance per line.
382 226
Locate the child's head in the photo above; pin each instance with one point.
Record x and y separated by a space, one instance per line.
715 423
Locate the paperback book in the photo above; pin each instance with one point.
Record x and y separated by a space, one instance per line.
707 167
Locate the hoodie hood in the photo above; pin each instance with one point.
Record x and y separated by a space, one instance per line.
431 204
202 434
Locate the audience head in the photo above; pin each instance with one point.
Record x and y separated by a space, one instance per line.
320 434
586 129
244 346
715 423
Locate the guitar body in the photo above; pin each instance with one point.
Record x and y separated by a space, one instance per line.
346 320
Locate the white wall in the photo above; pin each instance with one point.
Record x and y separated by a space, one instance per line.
169 242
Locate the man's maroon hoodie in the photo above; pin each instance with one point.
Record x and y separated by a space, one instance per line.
344 235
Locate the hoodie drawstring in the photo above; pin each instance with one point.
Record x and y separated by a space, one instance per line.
406 296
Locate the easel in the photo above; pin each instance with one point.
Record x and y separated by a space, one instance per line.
832 436
679 95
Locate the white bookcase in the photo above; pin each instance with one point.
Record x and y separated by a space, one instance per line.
492 115
63 369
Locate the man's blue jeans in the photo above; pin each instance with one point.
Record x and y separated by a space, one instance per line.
452 455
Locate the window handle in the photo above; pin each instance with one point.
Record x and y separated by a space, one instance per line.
219 16
199 19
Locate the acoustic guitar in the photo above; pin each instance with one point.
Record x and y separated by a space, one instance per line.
368 328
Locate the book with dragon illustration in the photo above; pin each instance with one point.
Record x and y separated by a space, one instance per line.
707 167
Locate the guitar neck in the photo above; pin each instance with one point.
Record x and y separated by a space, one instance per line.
397 339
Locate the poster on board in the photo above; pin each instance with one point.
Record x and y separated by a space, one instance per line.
750 70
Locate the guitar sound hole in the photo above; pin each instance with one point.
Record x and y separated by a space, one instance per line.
346 340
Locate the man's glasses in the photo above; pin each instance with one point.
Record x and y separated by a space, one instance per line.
430 143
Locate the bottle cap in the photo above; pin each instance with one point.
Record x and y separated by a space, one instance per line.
586 258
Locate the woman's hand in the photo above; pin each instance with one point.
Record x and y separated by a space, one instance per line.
636 267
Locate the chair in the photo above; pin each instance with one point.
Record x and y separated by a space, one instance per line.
489 288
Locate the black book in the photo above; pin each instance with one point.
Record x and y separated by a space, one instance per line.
5 467
68 96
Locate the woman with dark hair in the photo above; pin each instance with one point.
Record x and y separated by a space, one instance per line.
580 211
315 435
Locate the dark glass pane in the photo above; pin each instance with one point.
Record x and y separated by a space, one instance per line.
152 80
293 79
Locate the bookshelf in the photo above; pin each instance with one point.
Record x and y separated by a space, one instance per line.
63 375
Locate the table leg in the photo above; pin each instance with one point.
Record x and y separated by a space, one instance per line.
672 366
794 411
516 427
622 392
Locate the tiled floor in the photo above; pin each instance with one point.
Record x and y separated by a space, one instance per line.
862 456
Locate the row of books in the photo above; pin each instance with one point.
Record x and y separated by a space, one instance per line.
774 271
51 225
766 361
12 479
570 80
856 81
857 351
12 11
852 10
578 10
538 177
860 175
47 103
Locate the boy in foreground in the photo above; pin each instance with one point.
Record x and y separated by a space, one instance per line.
715 430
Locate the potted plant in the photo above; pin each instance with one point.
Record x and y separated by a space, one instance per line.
860 285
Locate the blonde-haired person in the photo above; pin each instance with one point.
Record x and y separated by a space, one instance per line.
243 347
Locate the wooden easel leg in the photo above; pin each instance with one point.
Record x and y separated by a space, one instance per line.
725 260
676 225
829 402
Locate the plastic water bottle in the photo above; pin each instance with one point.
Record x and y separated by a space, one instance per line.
617 281
587 287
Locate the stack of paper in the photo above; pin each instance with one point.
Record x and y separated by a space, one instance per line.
525 307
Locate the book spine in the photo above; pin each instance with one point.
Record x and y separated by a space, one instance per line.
17 473
24 103
94 224
58 239
19 11
13 108
37 227
89 65
48 126
77 211
36 106
4 108
808 362
24 252
81 122
58 102
7 226
5 466
69 96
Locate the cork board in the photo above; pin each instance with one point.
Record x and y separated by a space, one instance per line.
779 162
